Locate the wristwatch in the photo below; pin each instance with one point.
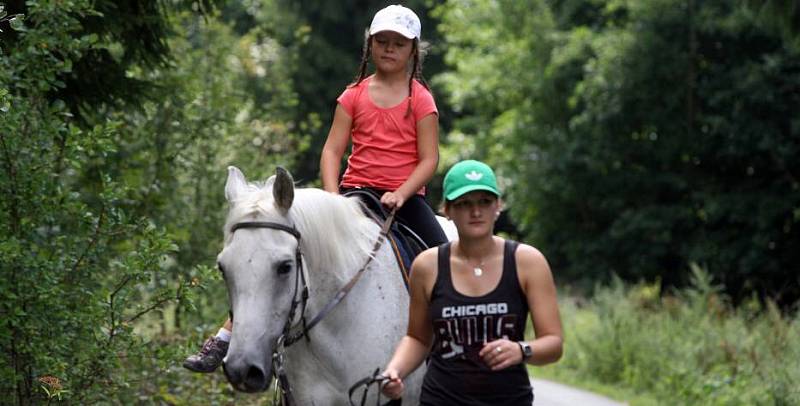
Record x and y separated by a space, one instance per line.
527 351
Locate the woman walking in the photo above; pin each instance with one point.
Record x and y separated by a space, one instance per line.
470 301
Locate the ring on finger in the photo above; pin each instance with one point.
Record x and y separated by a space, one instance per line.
498 349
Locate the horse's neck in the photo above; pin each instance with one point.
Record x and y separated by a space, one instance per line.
359 334
327 274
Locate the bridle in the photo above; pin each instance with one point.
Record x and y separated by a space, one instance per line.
300 277
289 337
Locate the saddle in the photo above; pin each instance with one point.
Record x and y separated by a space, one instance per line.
406 244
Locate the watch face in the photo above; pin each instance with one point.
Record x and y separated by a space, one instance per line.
526 349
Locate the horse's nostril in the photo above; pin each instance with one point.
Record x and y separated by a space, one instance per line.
255 378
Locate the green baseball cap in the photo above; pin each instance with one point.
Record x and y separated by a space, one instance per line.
467 176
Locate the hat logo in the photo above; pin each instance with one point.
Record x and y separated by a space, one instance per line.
405 21
473 176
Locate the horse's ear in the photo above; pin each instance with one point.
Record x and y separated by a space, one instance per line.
283 189
236 184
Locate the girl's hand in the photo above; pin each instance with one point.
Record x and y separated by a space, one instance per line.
393 388
501 354
392 200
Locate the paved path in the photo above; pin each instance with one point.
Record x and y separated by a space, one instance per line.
549 393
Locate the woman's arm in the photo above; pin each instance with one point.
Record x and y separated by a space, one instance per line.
540 289
414 347
537 283
330 161
428 153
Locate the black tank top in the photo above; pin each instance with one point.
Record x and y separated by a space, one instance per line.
462 324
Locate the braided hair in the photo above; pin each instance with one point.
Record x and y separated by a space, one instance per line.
418 51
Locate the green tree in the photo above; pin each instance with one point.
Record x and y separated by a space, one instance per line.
128 33
72 260
638 136
222 103
115 205
781 16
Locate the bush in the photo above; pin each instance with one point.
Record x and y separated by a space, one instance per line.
79 271
689 346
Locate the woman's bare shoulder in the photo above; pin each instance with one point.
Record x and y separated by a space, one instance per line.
531 261
425 264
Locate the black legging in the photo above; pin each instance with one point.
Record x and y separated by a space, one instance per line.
420 218
417 215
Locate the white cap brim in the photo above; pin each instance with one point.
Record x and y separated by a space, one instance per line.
391 27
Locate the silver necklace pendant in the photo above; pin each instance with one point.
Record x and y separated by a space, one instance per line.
477 271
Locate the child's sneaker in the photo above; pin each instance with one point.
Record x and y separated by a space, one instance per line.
209 358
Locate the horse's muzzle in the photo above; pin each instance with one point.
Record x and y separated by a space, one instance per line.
247 377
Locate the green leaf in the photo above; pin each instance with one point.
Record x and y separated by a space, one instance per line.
91 38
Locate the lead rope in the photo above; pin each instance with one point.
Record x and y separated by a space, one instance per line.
366 383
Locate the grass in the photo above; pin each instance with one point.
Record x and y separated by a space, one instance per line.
635 344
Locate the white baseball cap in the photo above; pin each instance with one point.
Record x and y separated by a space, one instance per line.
398 19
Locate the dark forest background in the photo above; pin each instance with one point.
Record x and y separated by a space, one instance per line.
636 140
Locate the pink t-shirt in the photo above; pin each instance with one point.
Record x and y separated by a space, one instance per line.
384 140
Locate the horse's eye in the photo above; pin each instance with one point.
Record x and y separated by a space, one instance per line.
284 267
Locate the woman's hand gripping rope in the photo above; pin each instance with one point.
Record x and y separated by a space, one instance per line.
383 381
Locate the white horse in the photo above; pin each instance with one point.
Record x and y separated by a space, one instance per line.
270 229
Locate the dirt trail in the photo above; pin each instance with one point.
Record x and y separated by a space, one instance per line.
549 393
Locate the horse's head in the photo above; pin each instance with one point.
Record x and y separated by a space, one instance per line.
259 264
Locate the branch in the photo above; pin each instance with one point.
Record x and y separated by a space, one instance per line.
95 367
113 330
158 303
150 308
92 242
59 160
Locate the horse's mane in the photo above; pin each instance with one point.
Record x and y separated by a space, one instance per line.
335 232
340 234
